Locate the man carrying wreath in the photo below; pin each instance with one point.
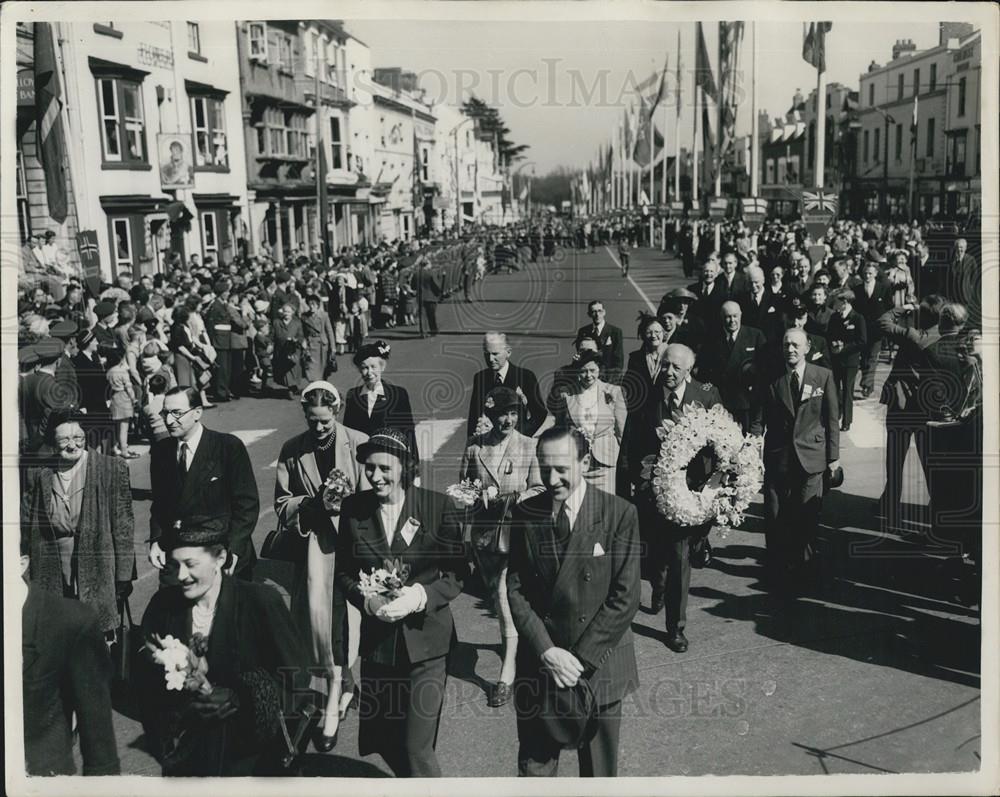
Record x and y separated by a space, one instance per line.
666 544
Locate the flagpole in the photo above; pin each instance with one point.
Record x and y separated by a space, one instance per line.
754 131
677 136
820 126
719 103
652 189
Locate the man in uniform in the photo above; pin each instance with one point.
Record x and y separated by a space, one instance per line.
219 324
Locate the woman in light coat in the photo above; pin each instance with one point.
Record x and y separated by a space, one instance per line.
598 410
305 463
502 458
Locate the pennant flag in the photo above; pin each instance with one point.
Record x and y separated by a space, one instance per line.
661 89
913 123
51 138
814 44
524 193
678 81
703 67
730 38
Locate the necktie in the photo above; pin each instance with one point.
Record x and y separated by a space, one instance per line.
182 462
796 387
498 380
732 342
561 535
674 404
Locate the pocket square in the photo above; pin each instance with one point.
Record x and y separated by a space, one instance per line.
409 530
598 550
214 479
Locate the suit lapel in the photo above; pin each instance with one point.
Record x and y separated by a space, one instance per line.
307 460
785 393
486 466
223 639
88 507
371 530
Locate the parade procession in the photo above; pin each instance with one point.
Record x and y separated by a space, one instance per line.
375 418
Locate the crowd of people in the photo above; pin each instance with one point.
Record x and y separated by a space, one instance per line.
783 333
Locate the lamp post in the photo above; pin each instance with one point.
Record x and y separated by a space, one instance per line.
458 177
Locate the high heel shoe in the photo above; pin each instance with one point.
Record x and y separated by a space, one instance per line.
352 702
324 743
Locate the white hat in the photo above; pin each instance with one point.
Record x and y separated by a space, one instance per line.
320 385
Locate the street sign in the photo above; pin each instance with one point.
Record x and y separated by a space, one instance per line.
26 87
677 206
717 208
90 255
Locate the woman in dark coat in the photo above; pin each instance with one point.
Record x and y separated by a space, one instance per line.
405 635
93 382
391 403
289 339
77 514
256 664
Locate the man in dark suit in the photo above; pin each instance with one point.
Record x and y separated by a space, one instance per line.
199 472
964 282
709 296
732 281
282 295
798 415
431 292
847 337
573 585
761 308
731 360
819 310
871 301
818 353
65 670
500 371
668 546
609 339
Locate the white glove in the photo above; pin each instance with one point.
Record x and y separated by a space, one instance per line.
408 600
375 602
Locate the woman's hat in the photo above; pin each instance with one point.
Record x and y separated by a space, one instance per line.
320 384
104 309
586 357
378 348
680 294
500 400
196 531
391 441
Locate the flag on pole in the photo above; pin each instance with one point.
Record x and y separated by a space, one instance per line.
51 138
626 132
703 67
913 123
814 44
661 89
730 38
641 153
677 87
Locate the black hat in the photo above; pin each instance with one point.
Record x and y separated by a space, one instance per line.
391 441
500 400
831 481
27 357
587 356
49 350
680 294
104 309
198 531
64 330
377 348
567 713
84 336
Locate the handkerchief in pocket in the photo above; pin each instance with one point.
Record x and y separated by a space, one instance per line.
598 550
409 530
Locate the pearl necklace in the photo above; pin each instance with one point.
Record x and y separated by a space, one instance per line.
329 442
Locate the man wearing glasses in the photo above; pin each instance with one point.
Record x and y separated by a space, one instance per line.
197 471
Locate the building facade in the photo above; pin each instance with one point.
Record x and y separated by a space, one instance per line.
154 144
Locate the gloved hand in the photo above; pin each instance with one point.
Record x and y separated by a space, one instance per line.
122 590
220 703
407 601
375 602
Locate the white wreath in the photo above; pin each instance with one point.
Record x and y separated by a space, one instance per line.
738 474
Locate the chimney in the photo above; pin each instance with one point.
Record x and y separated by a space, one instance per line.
874 66
954 30
797 99
903 47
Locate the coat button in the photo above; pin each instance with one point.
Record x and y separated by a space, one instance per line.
583 618
547 618
587 576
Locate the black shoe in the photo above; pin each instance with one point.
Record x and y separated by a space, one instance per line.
500 695
324 743
656 602
845 427
676 641
701 555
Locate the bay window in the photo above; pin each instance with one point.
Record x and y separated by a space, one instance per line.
123 126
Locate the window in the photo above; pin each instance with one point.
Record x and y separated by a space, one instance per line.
274 130
23 210
930 138
961 96
194 38
336 145
285 52
208 121
257 36
916 82
298 138
123 129
424 164
876 148
309 67
933 81
331 63
864 148
770 171
871 93
956 154
899 86
209 235
121 244
899 142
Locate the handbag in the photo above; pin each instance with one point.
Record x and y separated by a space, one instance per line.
282 545
128 642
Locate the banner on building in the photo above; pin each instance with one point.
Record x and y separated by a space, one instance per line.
174 151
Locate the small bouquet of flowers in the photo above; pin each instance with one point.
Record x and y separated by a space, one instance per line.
483 426
469 492
336 487
386 580
184 668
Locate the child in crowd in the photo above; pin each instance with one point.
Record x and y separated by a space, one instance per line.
122 402
263 351
156 427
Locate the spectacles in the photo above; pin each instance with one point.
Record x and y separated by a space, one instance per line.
79 439
176 414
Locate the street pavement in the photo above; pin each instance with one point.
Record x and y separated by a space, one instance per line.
875 670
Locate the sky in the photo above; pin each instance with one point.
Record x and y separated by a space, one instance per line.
562 86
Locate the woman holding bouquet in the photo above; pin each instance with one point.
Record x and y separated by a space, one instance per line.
503 459
316 469
409 535
598 410
248 671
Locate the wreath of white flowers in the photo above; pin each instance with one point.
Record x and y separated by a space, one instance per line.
736 479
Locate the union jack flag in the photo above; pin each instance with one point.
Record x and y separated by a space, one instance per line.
820 201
